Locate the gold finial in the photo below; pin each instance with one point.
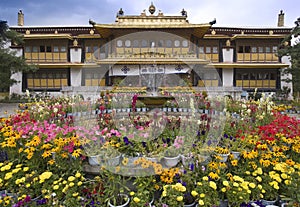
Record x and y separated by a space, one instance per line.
242 32
75 43
271 32
152 8
228 44
27 32
92 32
213 32
56 32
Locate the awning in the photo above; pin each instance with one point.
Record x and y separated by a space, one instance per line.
124 70
135 70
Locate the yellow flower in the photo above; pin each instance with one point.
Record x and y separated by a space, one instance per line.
77 175
75 194
136 199
212 185
79 183
194 193
225 183
131 193
71 184
55 187
201 202
179 198
252 185
202 195
71 178
45 175
223 189
205 178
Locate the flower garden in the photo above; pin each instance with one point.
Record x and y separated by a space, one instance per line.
192 151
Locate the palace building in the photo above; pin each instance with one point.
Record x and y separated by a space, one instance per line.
150 50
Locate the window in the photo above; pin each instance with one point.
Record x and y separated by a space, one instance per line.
201 50
260 49
184 43
176 43
247 49
152 44
207 50
63 49
268 49
135 43
160 43
55 49
274 49
50 79
241 49
27 49
144 43
127 43
88 49
248 78
48 49
254 49
34 49
215 50
42 48
119 43
169 43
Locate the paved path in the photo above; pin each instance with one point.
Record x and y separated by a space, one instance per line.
7 109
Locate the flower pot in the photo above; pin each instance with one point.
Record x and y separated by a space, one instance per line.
269 202
223 203
125 204
236 155
190 205
94 159
171 161
223 157
113 161
187 160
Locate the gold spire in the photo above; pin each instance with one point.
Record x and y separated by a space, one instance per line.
152 8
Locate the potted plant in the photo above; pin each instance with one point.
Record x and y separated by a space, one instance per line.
115 189
143 195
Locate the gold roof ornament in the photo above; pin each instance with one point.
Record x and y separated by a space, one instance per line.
228 43
152 8
75 43
160 13
92 32
271 32
213 32
56 32
27 32
242 32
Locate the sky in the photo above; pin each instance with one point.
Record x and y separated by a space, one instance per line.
228 13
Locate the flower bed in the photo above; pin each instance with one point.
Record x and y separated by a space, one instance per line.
45 155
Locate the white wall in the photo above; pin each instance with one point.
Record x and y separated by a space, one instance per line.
227 55
17 88
285 59
76 75
75 55
227 74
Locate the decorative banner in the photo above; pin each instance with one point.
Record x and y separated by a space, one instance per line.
152 69
171 69
124 70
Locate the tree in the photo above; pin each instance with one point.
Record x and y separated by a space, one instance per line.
291 48
9 63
